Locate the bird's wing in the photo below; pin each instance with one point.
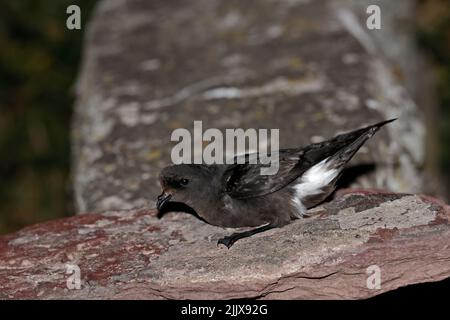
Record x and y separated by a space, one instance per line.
246 181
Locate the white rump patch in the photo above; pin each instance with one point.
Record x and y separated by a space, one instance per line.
312 182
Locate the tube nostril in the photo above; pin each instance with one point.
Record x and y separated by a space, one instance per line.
162 199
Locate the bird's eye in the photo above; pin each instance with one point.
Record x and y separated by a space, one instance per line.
184 182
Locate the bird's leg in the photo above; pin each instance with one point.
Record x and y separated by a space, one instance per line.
228 241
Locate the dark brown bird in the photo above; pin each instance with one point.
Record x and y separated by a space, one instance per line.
237 195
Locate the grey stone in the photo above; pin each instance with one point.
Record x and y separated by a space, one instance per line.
309 68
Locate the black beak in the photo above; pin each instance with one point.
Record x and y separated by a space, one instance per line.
162 199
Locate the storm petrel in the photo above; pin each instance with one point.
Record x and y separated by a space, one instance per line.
238 195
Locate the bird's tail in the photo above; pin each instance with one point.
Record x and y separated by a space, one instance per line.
352 142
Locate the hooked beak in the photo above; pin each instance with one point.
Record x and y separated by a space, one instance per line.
162 199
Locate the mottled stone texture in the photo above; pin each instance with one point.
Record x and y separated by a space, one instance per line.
309 68
133 254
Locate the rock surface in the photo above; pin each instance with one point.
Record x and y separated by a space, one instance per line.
133 254
309 68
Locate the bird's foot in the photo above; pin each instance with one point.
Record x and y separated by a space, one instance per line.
227 241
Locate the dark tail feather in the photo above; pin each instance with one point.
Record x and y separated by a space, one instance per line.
355 140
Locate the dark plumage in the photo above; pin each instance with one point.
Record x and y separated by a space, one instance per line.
237 195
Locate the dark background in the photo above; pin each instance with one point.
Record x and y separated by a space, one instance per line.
39 61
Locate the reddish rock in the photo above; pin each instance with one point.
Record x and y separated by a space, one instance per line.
133 254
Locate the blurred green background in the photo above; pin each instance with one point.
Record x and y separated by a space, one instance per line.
433 37
39 60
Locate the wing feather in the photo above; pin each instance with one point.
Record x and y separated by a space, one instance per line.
245 180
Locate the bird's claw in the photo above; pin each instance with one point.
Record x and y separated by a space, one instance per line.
226 241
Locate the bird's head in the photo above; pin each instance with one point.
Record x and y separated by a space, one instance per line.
184 183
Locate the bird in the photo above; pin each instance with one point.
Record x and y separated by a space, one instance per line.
237 195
